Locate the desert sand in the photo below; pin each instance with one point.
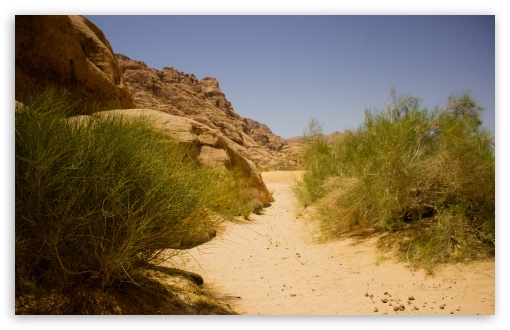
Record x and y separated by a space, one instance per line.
273 265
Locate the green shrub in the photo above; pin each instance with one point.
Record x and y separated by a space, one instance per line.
245 210
96 197
318 158
409 168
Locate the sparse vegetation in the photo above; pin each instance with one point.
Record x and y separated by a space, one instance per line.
99 197
426 178
263 169
247 208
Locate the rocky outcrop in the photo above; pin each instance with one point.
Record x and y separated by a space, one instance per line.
264 136
212 147
182 94
72 53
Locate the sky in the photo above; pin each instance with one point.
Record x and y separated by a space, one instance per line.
284 70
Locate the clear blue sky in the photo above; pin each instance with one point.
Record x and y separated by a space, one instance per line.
284 70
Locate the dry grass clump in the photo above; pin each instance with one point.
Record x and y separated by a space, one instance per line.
98 198
427 177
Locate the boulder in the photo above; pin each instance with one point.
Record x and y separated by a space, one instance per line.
213 148
68 52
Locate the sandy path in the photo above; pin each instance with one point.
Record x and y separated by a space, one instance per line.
271 266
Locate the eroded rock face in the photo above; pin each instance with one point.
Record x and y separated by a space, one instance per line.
182 94
213 148
72 53
68 52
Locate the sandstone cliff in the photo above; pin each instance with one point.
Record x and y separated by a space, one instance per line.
68 52
182 94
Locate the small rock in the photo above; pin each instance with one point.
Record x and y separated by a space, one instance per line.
376 309
442 306
416 308
411 298
292 295
401 307
395 308
366 294
384 300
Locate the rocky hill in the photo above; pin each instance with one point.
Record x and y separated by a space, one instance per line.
184 95
71 53
332 137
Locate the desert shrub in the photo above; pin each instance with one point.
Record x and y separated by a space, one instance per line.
318 158
258 206
98 196
262 169
235 190
245 210
247 207
408 168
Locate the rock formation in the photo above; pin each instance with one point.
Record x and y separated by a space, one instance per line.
72 53
212 147
182 94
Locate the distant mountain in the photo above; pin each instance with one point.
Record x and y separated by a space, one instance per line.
302 139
